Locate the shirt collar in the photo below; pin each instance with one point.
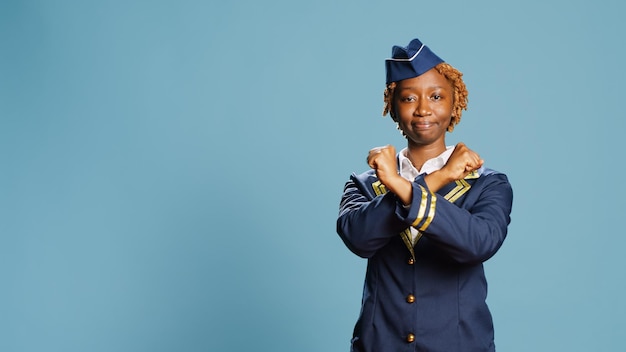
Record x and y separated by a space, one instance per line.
409 172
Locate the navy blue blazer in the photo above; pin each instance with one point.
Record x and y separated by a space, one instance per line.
431 296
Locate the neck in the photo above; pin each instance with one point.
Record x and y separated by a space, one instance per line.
419 154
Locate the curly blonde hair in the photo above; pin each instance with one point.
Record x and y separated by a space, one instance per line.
454 76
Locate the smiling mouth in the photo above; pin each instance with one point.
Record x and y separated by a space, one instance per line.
422 125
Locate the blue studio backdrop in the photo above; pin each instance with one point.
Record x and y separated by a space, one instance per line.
171 170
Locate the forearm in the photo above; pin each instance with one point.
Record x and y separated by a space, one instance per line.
437 179
367 225
474 232
401 187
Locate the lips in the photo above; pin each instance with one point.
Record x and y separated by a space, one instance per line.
422 125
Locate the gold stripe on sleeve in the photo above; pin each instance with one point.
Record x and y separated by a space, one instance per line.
464 187
431 212
422 209
453 191
379 188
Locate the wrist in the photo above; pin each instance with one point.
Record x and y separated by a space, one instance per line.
401 187
437 179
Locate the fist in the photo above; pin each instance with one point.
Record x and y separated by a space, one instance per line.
462 162
383 160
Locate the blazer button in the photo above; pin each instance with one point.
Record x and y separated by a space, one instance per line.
410 338
410 299
411 261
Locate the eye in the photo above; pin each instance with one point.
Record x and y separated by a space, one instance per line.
408 99
436 97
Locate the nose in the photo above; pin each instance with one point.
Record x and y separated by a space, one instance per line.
422 108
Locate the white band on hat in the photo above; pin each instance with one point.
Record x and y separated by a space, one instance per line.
411 59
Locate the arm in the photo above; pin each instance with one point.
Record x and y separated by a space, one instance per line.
366 221
366 224
462 161
474 234
383 159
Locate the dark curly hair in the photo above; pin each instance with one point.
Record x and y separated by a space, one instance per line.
454 76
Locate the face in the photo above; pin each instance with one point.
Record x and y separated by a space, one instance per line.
423 108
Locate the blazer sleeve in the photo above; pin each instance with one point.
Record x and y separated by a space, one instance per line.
367 222
469 234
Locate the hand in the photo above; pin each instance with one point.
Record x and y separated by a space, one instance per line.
462 162
383 160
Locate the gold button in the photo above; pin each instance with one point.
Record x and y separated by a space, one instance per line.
410 299
410 338
411 261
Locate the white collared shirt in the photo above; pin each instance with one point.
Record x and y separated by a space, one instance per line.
409 172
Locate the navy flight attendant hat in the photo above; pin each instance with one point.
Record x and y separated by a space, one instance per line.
410 61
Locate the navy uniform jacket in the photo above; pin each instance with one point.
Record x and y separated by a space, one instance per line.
430 297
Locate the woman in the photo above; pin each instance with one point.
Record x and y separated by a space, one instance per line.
426 219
